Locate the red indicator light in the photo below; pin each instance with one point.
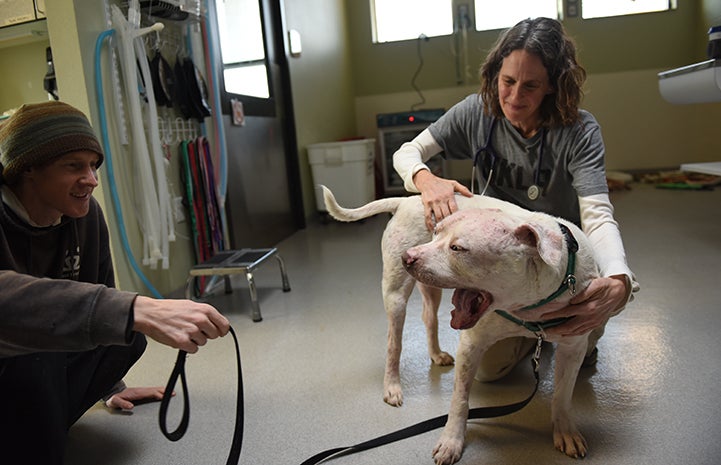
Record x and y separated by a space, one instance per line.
411 118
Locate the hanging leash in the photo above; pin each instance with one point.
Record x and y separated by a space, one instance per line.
179 373
434 423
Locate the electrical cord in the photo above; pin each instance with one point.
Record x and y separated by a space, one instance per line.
421 38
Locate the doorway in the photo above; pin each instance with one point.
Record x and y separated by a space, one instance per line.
264 197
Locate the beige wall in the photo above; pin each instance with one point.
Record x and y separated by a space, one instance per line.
640 129
27 61
643 131
321 80
606 45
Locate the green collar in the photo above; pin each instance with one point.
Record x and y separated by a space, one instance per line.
533 326
568 284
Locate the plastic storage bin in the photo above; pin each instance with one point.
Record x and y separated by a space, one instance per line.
346 168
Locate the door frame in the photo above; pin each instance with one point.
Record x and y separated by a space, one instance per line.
280 103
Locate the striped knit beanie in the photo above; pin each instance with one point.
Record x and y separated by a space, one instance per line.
37 134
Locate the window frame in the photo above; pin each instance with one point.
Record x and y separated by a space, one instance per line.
375 28
671 5
252 105
558 7
464 16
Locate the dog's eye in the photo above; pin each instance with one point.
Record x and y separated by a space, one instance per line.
457 248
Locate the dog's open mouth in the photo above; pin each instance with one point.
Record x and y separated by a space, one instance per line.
470 306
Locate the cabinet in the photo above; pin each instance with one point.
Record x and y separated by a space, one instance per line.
22 22
21 11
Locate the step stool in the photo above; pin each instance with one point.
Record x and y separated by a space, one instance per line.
230 262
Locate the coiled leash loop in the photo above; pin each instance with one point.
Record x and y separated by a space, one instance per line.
179 372
433 423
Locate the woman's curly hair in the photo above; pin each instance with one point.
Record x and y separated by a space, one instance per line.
545 38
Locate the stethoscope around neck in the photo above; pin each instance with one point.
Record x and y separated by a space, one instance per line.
533 192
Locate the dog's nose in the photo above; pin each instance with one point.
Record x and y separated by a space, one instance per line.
408 259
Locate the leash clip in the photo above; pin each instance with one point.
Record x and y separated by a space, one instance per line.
571 283
537 353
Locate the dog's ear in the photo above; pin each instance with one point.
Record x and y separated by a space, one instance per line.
547 242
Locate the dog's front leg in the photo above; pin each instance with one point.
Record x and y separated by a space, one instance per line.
392 390
397 288
431 302
569 356
449 448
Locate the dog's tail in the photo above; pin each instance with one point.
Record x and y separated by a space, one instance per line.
389 205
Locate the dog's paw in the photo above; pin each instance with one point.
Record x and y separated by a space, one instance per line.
393 395
571 443
447 451
442 359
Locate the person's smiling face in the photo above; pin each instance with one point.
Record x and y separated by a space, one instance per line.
522 85
63 187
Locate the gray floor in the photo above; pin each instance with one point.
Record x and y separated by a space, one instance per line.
313 367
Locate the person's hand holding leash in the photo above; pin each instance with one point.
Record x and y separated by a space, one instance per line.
182 324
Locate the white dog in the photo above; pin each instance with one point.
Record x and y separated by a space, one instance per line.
516 264
492 252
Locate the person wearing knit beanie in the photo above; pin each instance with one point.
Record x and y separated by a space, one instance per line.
37 134
67 335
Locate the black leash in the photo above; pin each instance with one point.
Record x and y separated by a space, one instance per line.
179 372
405 433
433 423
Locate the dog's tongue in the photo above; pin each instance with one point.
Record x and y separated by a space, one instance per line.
470 306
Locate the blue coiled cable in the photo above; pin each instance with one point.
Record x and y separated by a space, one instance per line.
109 163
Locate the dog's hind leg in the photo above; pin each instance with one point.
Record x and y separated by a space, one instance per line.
397 289
431 302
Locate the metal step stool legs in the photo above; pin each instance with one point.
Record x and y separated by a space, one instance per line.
283 273
226 269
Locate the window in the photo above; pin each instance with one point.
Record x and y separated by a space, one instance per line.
395 20
492 14
242 48
603 8
407 19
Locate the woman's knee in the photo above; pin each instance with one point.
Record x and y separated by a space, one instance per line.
502 357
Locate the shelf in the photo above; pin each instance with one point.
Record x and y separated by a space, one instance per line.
697 83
